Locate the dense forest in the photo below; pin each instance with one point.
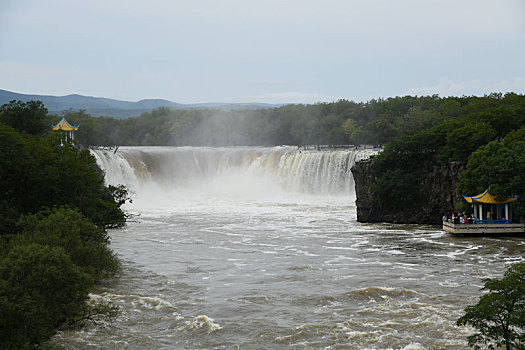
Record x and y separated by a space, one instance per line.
54 212
341 122
484 139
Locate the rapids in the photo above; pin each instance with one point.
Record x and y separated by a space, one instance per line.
259 248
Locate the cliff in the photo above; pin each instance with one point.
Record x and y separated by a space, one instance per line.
437 183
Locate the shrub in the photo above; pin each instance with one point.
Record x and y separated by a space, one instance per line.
40 288
499 316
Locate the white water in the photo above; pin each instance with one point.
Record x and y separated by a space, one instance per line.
161 177
258 248
289 168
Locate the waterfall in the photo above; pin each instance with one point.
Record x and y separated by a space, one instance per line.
288 168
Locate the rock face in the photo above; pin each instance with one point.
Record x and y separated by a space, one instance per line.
438 182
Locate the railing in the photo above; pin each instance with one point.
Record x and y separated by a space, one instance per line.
477 221
485 222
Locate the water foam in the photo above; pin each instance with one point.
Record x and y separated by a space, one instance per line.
203 322
230 172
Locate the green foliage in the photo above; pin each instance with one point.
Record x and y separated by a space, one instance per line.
497 166
397 188
13 169
417 119
25 116
85 242
464 140
377 132
499 316
463 126
411 151
372 122
49 258
47 172
40 288
349 126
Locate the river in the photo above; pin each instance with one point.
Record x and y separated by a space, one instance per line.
259 248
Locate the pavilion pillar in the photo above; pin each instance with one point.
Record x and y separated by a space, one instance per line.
506 212
481 211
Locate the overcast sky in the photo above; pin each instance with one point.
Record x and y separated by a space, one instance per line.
298 51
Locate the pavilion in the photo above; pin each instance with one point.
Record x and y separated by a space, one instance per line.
69 129
492 215
494 211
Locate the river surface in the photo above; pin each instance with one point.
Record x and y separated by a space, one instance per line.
257 254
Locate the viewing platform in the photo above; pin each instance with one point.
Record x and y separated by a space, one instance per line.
490 216
485 227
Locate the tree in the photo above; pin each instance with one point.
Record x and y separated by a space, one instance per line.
14 155
86 243
349 126
49 260
461 142
499 167
499 316
397 188
40 289
25 116
46 172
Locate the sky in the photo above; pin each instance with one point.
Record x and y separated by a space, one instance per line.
271 51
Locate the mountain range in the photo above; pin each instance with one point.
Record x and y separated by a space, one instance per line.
101 106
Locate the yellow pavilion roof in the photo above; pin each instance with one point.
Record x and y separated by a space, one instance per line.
64 125
487 198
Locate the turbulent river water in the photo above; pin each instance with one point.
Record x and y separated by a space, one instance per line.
259 248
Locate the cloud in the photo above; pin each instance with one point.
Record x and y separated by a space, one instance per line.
208 50
448 87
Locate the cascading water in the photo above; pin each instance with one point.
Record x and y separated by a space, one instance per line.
280 168
259 248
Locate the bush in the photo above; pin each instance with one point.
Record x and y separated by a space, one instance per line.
40 288
85 242
499 316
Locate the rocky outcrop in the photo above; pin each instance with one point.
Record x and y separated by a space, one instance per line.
438 183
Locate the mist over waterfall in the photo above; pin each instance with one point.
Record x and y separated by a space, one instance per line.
235 170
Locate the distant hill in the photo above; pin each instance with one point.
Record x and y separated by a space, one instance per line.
98 106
